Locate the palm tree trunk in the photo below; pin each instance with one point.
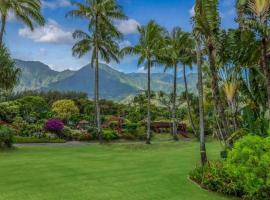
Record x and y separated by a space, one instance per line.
97 108
234 115
174 104
3 26
219 109
264 62
188 102
148 139
200 90
264 66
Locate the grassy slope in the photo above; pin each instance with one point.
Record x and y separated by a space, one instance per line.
110 172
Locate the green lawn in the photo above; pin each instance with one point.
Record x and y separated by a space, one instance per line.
107 172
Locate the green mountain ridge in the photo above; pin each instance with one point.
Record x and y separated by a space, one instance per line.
114 85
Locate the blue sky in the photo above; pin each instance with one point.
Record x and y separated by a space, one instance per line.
52 43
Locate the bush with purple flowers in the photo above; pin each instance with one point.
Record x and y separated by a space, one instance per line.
54 126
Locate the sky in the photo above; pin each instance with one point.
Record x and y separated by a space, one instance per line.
52 43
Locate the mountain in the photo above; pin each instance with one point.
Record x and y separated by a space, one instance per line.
36 75
113 84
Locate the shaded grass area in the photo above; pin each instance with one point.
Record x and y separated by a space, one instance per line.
103 172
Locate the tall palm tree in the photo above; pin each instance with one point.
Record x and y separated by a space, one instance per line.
27 11
207 22
173 54
151 37
201 97
197 21
187 59
101 39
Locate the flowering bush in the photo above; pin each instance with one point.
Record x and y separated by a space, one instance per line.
54 125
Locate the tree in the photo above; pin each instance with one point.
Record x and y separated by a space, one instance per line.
256 17
173 54
207 22
200 90
64 109
198 37
101 39
9 74
187 59
150 42
27 11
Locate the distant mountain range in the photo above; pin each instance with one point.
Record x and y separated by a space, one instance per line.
114 85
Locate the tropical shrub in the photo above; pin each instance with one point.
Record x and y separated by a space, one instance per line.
28 130
64 109
132 128
93 132
67 133
9 110
32 130
215 177
75 134
114 124
245 172
109 135
54 125
6 136
134 131
249 161
33 108
85 136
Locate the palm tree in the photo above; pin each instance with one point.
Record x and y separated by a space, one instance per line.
198 37
101 39
150 42
174 53
207 25
188 58
27 11
201 97
257 20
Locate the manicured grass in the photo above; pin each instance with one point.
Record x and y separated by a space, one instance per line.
103 172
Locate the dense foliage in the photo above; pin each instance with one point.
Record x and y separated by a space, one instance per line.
72 118
245 173
9 74
64 109
6 136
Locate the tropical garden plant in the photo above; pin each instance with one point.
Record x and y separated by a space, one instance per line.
151 39
101 39
26 11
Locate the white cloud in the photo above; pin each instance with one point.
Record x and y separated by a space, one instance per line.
124 43
129 26
192 11
52 32
142 70
56 4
